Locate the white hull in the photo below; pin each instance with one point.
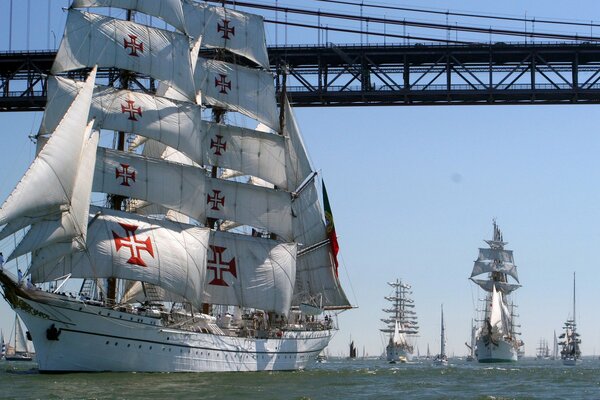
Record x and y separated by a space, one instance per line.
397 353
504 351
94 338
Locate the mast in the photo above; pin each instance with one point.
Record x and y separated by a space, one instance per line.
443 336
116 201
573 299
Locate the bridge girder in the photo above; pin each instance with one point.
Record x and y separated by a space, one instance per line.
377 75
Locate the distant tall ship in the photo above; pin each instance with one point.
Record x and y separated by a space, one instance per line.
543 351
570 341
401 323
496 337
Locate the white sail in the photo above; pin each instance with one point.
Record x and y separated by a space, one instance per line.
236 88
315 267
496 320
188 190
297 167
20 342
72 224
169 11
163 253
95 39
178 125
224 28
250 272
48 187
483 266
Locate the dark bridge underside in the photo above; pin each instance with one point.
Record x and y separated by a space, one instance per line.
378 75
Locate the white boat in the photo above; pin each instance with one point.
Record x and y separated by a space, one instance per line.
442 359
401 324
570 341
497 339
213 236
18 350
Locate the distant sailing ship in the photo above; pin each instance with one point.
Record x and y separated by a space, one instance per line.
401 323
542 351
18 349
570 341
555 351
442 358
352 350
471 346
496 338
213 251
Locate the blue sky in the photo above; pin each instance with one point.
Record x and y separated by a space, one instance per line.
414 189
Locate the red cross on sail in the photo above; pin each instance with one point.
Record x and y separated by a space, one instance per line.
219 145
216 200
131 109
222 83
125 174
219 266
226 29
133 45
134 245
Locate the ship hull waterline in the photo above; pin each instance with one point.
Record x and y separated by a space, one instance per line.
72 336
502 352
397 354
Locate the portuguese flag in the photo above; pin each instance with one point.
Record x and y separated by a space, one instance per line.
330 227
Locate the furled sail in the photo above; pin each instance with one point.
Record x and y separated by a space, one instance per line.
219 27
169 11
248 91
49 186
95 39
164 253
188 190
178 125
250 272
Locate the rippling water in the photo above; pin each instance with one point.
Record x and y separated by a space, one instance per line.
335 379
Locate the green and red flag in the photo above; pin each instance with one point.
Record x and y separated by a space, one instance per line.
330 227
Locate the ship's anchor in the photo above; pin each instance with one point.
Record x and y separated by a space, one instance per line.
52 333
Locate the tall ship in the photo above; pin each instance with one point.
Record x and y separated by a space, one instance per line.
206 247
497 340
401 323
569 339
542 351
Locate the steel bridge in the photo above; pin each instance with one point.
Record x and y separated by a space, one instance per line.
378 75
